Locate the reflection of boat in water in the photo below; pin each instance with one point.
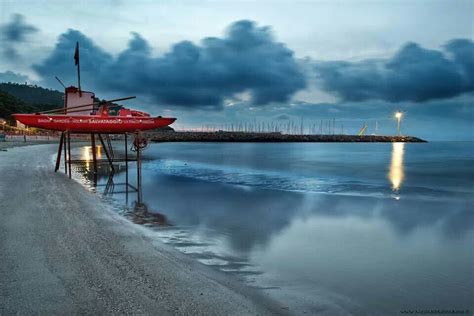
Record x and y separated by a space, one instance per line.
138 212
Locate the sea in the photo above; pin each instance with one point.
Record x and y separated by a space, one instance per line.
324 228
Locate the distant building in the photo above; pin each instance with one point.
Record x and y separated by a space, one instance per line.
20 125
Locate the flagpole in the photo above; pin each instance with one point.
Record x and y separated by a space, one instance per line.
77 60
79 76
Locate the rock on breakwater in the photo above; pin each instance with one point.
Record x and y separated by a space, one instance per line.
274 137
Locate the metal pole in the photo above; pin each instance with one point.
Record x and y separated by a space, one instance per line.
126 159
106 152
94 158
126 168
139 174
65 153
398 126
69 152
109 146
60 149
78 63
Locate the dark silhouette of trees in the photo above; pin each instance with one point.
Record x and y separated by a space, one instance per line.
24 98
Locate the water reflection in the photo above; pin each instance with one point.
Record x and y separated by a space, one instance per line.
116 185
142 215
358 246
86 154
396 173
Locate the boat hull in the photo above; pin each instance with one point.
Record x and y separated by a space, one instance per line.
93 123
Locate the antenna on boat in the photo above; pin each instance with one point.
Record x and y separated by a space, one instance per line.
60 82
76 62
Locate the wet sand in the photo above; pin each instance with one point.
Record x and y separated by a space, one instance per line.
63 251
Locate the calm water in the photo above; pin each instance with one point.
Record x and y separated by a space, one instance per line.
329 228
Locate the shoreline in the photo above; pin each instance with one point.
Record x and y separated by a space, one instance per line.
8 145
12 141
65 251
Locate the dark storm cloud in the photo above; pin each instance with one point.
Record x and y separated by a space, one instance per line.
61 62
10 76
246 59
462 51
413 74
14 32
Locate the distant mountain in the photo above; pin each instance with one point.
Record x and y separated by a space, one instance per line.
40 98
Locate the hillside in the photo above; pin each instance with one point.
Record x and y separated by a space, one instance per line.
40 98
24 98
9 104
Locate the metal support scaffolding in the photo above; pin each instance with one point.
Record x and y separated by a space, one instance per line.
109 145
108 151
126 167
69 152
60 149
65 153
139 176
94 157
138 144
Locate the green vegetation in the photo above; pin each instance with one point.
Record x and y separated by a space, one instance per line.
23 98
9 105
34 95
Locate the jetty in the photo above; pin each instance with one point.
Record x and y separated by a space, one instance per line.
275 137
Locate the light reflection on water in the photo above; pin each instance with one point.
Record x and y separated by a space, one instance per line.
396 173
87 157
361 252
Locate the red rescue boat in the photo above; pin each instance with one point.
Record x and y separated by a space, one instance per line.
94 117
103 123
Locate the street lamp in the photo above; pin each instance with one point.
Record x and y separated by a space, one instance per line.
398 116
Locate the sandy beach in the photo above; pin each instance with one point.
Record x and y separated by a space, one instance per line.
63 251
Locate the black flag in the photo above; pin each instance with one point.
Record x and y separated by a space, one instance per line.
76 62
76 54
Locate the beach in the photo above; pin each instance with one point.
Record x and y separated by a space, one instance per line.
64 251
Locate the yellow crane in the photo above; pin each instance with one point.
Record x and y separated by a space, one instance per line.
363 129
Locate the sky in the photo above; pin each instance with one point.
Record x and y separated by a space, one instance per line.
230 62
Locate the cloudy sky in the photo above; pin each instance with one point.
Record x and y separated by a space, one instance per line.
222 62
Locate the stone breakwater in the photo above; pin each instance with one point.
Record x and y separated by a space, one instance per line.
274 137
